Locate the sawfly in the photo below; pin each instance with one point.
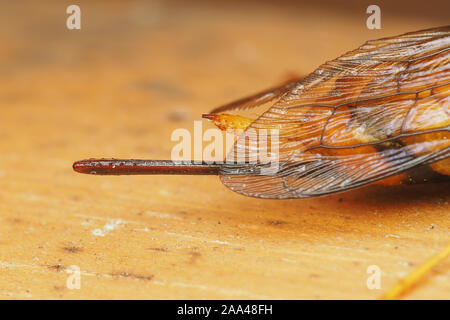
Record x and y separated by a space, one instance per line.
378 114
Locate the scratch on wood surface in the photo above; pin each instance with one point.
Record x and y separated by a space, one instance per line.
161 215
48 269
91 217
212 289
132 276
9 265
197 238
390 235
39 268
16 294
142 229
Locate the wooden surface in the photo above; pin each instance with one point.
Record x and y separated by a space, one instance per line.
118 88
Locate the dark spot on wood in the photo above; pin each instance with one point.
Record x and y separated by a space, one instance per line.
159 249
57 267
59 288
340 200
161 87
72 249
126 274
75 198
194 255
314 275
178 115
276 222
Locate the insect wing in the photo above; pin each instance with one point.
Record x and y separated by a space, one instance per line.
372 113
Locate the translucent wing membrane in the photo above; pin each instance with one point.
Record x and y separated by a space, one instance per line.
259 98
372 113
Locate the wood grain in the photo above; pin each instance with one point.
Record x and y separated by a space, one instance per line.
118 88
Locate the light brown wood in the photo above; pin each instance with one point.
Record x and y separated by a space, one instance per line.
118 88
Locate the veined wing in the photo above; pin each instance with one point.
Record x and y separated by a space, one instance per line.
371 113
